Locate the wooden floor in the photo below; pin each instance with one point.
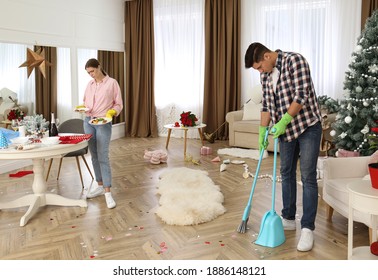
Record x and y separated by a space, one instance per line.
132 231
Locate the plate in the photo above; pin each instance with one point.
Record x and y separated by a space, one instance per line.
69 134
100 121
237 161
81 109
20 140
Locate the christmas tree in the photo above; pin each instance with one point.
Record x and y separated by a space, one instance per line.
357 117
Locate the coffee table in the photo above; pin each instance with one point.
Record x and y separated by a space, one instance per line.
171 127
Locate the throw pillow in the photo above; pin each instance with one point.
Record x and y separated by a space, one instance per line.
251 111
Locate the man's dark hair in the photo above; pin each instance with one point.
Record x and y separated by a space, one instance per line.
254 54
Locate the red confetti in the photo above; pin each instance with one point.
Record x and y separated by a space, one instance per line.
73 226
92 257
207 242
222 245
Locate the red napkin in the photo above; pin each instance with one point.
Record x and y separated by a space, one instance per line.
21 174
74 139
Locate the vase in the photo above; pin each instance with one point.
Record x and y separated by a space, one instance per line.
373 171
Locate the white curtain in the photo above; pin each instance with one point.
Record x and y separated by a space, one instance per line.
14 77
179 60
64 84
324 31
83 55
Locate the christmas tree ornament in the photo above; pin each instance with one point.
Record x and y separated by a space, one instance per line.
348 119
358 89
358 49
332 133
365 130
365 103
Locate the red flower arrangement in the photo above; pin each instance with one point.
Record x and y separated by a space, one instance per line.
188 119
15 114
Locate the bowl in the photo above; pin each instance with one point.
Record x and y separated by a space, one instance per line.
50 140
19 140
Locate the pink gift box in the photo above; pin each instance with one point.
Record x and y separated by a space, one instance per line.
206 150
345 153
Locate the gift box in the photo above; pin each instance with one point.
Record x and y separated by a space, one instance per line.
345 153
206 150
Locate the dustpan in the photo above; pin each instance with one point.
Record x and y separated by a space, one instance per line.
271 229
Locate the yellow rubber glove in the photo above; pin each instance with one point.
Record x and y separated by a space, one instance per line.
110 113
263 144
280 127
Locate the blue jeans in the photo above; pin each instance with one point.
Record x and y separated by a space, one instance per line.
306 147
99 148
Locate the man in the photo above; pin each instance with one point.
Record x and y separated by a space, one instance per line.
290 103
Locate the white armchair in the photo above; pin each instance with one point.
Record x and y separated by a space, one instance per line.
338 173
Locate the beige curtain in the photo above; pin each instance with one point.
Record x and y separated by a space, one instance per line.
140 112
222 63
114 64
368 7
46 88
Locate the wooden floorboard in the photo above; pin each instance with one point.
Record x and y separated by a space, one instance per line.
132 231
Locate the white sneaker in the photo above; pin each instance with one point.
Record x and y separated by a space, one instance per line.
109 200
96 192
306 242
288 224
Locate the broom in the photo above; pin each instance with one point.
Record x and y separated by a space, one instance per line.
243 226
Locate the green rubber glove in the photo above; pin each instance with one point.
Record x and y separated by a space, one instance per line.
110 113
280 127
263 144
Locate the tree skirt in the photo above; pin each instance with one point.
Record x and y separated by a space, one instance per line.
242 153
188 197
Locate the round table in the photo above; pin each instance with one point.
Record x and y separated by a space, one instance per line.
39 197
364 198
171 127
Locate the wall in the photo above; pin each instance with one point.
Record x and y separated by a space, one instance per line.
91 24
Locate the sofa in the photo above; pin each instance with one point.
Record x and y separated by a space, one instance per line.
338 173
244 125
6 104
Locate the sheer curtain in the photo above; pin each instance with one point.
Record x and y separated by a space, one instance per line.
15 78
64 84
179 60
83 55
324 31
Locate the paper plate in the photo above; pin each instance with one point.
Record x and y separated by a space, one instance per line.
100 121
81 109
237 161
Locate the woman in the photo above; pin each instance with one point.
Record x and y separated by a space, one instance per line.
103 98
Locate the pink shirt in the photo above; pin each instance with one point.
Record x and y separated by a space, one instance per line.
101 97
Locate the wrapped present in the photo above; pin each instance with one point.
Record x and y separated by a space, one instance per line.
345 153
206 150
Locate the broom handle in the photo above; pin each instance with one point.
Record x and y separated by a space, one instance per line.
219 127
274 173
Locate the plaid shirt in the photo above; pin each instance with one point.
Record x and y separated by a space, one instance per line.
294 85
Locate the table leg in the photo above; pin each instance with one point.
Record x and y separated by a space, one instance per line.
185 135
201 135
39 198
168 137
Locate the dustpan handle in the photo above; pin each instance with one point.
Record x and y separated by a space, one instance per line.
274 172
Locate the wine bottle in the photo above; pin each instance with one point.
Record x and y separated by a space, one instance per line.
53 128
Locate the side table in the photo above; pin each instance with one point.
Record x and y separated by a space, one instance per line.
171 127
362 197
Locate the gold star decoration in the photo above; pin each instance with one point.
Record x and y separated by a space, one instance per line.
34 60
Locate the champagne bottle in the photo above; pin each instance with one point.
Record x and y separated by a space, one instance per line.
53 128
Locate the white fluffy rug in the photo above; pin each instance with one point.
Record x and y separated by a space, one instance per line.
188 197
242 153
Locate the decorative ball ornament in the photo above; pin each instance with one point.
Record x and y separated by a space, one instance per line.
358 89
365 103
348 119
358 49
332 133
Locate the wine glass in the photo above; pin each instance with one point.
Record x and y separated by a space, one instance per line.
14 124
